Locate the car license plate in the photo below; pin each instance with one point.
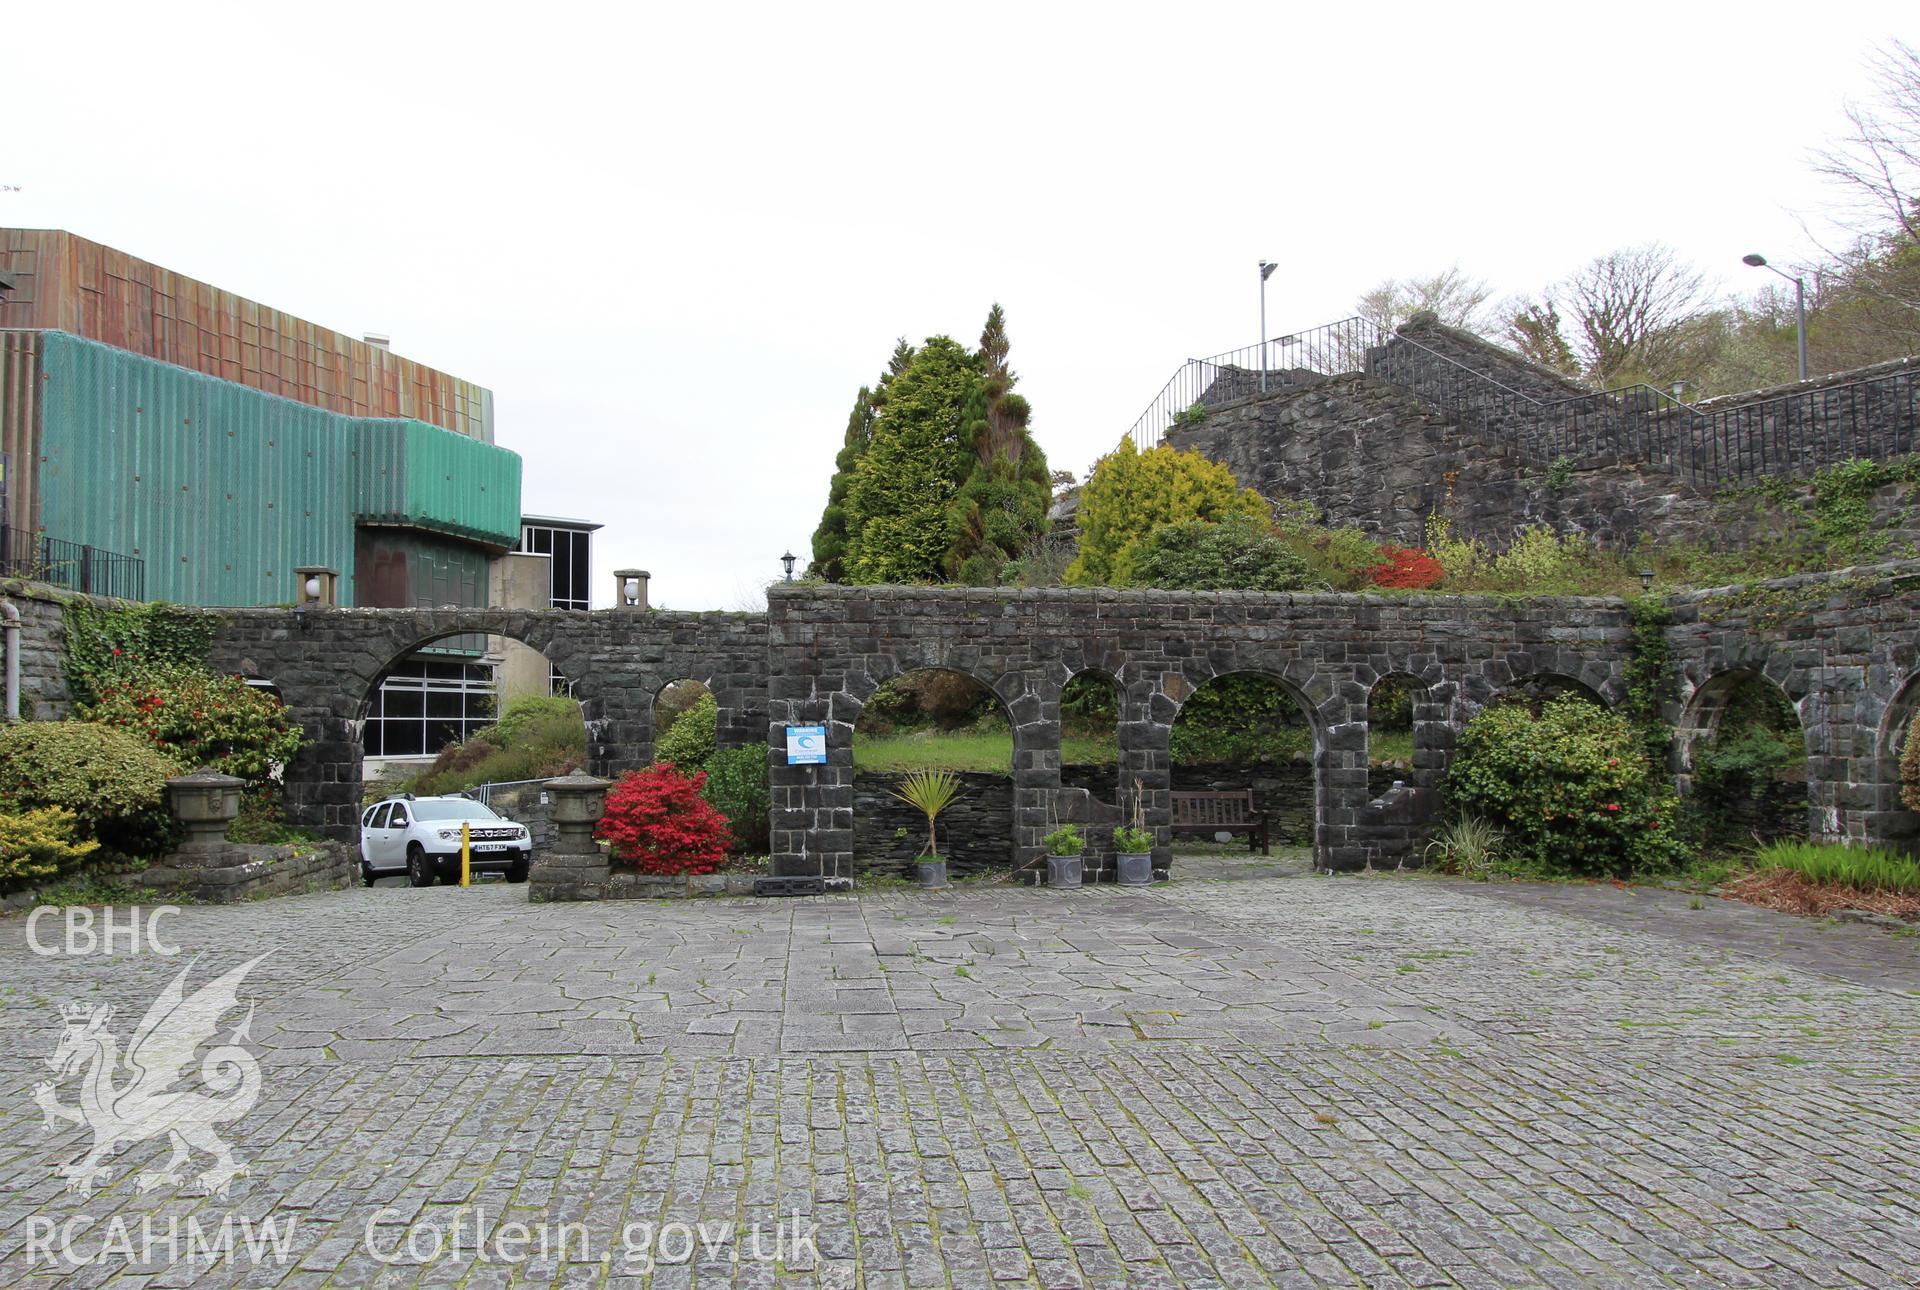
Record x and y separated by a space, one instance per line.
489 846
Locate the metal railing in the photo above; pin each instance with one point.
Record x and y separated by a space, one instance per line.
73 565
1201 383
1875 416
1788 434
484 792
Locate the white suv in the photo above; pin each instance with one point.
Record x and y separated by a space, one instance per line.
420 837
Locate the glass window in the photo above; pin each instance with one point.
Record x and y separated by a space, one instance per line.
427 704
377 817
399 817
454 811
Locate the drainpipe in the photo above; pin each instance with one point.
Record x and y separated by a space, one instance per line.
11 617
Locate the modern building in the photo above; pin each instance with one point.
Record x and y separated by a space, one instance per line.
159 425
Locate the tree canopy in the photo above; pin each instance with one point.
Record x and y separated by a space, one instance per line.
937 477
1131 493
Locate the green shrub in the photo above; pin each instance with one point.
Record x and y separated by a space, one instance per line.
1239 719
1467 846
113 781
1066 841
198 718
538 737
690 742
1570 788
37 845
737 788
1743 763
102 640
1236 554
1910 766
1862 868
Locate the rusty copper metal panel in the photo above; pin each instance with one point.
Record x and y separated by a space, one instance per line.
20 403
70 284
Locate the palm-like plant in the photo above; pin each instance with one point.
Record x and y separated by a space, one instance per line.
930 792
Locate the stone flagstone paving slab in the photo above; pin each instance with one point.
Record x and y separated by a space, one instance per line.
1295 1081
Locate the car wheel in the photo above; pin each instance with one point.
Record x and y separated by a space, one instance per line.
419 868
517 871
367 875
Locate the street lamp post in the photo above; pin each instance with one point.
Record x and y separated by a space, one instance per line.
1759 261
1266 271
788 560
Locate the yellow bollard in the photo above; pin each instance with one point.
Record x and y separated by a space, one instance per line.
466 857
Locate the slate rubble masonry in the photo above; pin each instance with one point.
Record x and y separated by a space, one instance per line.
1844 646
1369 454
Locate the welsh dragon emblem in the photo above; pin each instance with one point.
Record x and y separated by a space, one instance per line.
145 1097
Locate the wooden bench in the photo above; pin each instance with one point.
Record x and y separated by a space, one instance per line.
1230 812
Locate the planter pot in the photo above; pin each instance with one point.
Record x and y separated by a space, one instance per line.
1063 871
1135 868
933 873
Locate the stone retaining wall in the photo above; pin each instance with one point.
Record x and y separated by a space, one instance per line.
238 872
43 648
1845 647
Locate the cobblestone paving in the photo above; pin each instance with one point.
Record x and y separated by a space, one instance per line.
1296 1081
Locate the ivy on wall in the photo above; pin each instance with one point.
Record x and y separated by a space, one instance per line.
101 639
1653 685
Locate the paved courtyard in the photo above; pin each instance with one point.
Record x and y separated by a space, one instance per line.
1230 1080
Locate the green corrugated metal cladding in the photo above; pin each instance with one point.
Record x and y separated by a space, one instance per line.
224 490
408 472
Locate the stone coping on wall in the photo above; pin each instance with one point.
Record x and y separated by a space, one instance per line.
1153 597
238 872
1891 575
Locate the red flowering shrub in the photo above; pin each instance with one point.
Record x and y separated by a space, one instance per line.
658 823
197 717
1405 567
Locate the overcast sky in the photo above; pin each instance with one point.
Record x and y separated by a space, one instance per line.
675 243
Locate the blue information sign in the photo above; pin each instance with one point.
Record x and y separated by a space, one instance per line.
806 745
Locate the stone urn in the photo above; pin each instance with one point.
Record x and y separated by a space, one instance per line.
933 871
1133 868
576 868
1063 871
206 802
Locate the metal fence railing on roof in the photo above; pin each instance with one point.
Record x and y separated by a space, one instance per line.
1328 350
1793 433
76 566
1875 415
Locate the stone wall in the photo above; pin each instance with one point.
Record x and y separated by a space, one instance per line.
43 649
976 832
237 872
831 647
1371 456
528 804
1844 646
328 663
1783 431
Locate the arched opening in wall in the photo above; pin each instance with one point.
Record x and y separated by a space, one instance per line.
1541 688
1895 823
1390 730
1090 736
685 716
1743 759
453 715
933 719
686 732
1407 733
1238 733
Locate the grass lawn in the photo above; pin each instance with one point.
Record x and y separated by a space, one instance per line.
967 750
